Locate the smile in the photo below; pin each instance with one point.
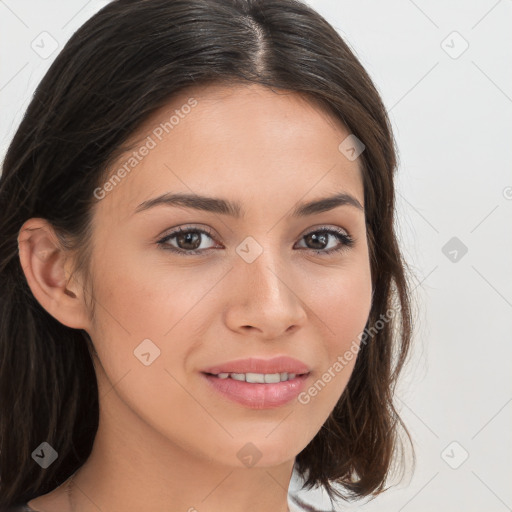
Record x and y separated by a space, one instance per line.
258 378
258 390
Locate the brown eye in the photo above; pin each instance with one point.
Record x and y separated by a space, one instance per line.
188 241
319 239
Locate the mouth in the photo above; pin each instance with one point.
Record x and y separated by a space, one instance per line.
257 390
254 367
258 378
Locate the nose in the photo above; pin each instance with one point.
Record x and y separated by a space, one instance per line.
264 298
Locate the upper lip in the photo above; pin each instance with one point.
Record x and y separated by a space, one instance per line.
280 364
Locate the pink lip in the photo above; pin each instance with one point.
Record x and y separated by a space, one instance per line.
258 396
255 365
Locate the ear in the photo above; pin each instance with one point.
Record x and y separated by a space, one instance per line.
46 269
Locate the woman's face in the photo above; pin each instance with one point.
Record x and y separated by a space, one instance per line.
255 287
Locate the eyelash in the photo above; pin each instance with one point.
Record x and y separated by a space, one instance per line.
346 240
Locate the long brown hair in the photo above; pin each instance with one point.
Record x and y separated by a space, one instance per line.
123 64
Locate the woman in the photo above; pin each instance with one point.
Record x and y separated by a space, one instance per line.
202 288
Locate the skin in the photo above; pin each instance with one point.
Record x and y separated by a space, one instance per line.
166 441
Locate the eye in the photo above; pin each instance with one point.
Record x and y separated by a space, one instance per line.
320 238
189 240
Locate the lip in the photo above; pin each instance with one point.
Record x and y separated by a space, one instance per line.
258 396
279 364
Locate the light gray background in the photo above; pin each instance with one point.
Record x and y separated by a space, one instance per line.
451 111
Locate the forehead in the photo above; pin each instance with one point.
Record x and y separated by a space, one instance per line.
242 142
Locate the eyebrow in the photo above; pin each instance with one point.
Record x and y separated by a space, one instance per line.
234 209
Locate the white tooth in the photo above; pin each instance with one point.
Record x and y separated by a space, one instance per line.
291 376
238 376
255 378
223 375
272 378
284 376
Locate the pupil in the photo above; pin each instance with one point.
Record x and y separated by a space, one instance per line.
187 237
317 238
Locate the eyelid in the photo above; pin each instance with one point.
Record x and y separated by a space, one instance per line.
187 227
326 227
212 234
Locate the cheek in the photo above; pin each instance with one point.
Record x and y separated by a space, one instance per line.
341 306
141 296
137 302
341 300
145 331
346 308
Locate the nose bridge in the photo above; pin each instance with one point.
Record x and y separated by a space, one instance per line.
264 273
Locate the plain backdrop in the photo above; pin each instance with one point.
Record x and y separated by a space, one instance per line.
444 70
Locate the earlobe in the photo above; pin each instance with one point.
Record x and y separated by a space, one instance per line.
44 264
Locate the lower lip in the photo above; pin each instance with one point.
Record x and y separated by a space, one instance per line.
258 396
